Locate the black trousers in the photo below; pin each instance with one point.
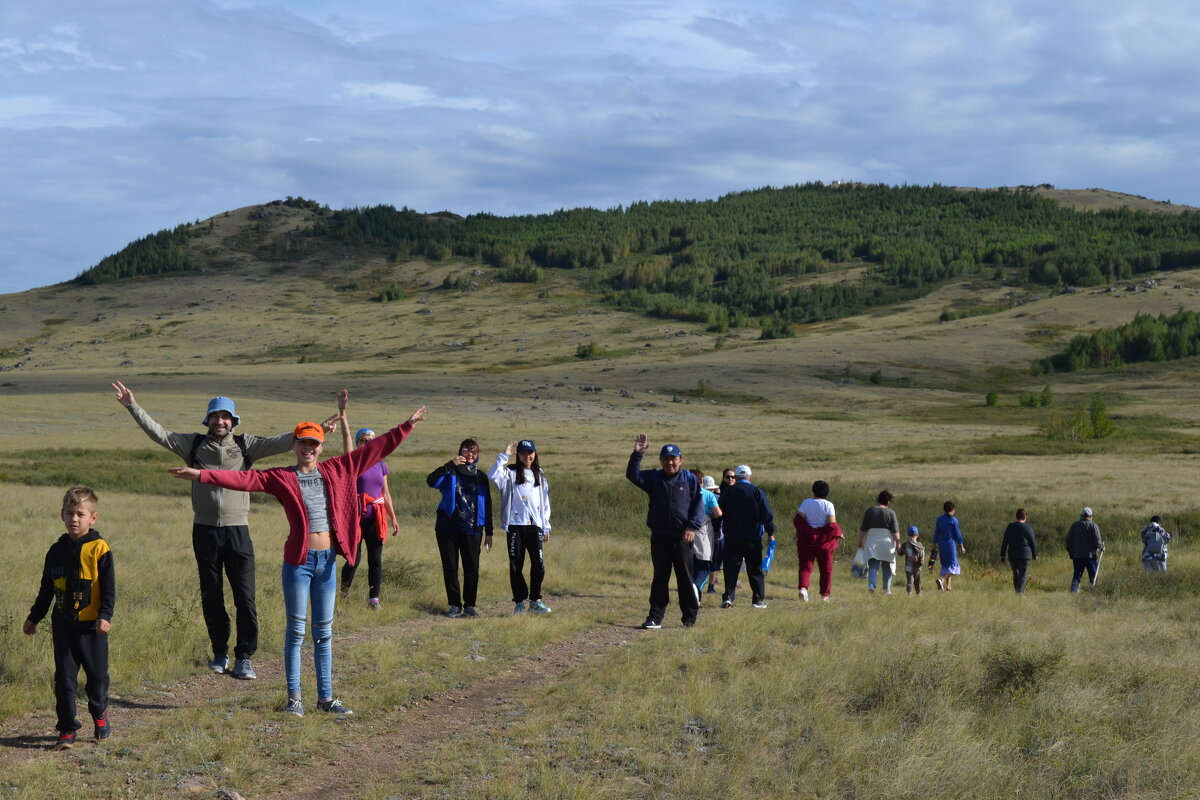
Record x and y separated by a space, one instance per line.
669 554
227 549
1020 568
524 539
453 546
72 650
374 546
752 551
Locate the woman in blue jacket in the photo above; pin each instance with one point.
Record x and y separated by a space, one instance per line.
948 540
464 517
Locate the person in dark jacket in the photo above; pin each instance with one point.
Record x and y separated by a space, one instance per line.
1084 546
1020 546
79 579
464 517
675 512
746 514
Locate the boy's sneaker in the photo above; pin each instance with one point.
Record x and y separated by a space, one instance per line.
102 730
538 607
726 604
294 706
651 625
373 604
941 585
66 740
334 706
243 670
520 609
804 595
759 604
219 663
470 611
454 612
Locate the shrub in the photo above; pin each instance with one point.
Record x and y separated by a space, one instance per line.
522 273
390 294
876 377
1009 670
1047 397
1028 400
590 350
993 399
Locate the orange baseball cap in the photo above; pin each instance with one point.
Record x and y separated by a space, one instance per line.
309 430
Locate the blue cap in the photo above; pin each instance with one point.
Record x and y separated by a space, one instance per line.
912 531
670 450
221 404
361 432
526 444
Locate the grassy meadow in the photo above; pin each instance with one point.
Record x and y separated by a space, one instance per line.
972 694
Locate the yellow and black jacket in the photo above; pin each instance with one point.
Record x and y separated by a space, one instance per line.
78 577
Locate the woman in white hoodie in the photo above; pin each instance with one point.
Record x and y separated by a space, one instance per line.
525 517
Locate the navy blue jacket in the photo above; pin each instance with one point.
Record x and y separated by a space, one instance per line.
466 505
745 511
675 502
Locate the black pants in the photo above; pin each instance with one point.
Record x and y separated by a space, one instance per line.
227 548
72 650
524 539
1020 570
667 554
752 551
452 546
912 580
374 546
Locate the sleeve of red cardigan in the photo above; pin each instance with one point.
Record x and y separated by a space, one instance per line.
248 480
368 455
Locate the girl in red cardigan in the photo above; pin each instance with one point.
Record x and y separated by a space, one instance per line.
321 503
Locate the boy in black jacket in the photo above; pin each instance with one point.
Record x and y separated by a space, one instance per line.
78 577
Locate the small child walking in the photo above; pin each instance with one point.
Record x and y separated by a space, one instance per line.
914 559
78 577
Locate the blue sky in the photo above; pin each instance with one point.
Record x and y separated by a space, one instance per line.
123 117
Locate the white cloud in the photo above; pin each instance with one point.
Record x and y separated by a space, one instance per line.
406 95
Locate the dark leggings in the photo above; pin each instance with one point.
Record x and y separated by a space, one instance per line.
374 546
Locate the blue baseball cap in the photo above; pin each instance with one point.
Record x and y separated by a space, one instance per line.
912 531
526 444
221 404
670 450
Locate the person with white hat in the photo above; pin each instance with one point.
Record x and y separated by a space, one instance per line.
1084 546
747 514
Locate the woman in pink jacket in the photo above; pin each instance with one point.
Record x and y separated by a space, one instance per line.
320 500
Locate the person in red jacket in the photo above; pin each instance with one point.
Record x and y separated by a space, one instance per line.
817 537
320 500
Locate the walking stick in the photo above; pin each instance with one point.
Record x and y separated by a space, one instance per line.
1097 575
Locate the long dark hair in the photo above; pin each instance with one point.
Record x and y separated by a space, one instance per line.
520 476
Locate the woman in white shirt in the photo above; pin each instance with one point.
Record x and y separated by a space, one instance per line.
525 517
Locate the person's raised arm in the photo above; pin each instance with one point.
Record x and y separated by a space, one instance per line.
178 443
633 468
347 439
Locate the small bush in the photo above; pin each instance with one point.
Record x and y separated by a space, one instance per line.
1028 400
522 273
390 294
993 399
590 350
876 377
1008 671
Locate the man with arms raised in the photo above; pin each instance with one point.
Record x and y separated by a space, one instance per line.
220 530
676 512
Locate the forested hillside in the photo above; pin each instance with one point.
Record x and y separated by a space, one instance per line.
743 259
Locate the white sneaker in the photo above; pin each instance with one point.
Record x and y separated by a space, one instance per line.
759 604
804 595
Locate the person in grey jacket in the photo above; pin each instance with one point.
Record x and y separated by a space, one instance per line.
220 530
1084 546
1020 545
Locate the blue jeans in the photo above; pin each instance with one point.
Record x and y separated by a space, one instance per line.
1080 564
315 581
873 569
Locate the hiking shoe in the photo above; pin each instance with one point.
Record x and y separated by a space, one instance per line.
66 740
804 595
538 607
219 663
334 706
651 625
759 604
470 611
294 706
373 604
454 612
520 609
243 670
726 603
102 730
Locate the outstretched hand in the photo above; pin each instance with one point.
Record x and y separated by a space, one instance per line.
417 416
124 396
641 444
187 473
510 449
331 422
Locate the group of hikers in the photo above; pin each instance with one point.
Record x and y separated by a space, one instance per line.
700 531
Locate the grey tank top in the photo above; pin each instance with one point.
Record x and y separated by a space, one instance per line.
316 500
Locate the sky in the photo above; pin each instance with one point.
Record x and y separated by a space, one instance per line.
124 117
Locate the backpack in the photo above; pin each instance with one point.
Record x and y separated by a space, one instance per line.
1155 545
238 439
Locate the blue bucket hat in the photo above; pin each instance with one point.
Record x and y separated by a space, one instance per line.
670 450
361 432
221 404
526 444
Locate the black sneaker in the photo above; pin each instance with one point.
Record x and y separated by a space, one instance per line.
66 740
334 706
454 612
470 611
102 729
651 625
689 623
726 604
